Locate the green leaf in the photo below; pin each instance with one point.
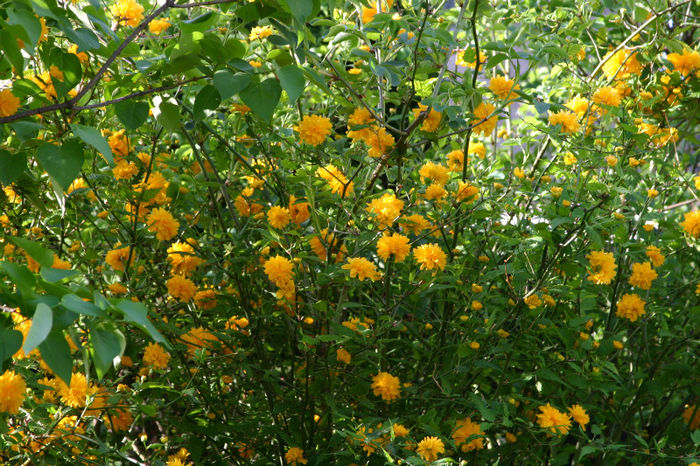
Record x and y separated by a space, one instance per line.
136 313
11 51
207 99
11 166
301 9
22 278
132 114
293 82
38 252
84 38
41 326
76 304
93 137
262 98
28 21
10 342
105 345
26 129
62 163
229 84
56 353
168 115
72 70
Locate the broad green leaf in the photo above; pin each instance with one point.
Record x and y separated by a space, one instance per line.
41 326
11 51
26 129
168 115
56 275
136 313
93 137
72 70
132 114
10 343
301 9
262 98
207 99
56 353
28 21
292 80
11 166
105 345
38 252
229 84
62 163
84 38
76 304
22 278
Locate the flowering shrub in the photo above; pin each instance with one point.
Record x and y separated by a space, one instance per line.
349 232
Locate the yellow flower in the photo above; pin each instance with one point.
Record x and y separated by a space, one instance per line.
502 333
691 224
435 192
76 394
318 245
533 301
579 415
127 12
630 307
568 121
554 420
12 392
295 456
361 268
685 62
313 129
569 158
429 448
360 117
618 344
337 181
603 265
396 245
260 32
163 224
414 223
430 257
607 95
611 160
257 64
155 356
503 87
691 416
460 61
432 121
482 112
299 211
198 338
157 26
181 288
205 299
642 275
467 192
455 160
182 258
369 12
117 288
124 170
119 143
343 355
386 209
400 430
466 428
387 386
474 345
279 270
278 217
8 103
652 193
435 172
556 191
519 172
117 258
621 64
379 141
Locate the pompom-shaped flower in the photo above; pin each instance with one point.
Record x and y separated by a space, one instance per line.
386 209
182 258
8 103
75 394
155 356
568 121
396 245
430 257
691 224
260 32
435 192
607 95
379 141
127 12
278 217
124 170
117 258
162 223
199 338
12 388
466 192
579 415
414 223
299 211
466 428
361 268
429 448
455 160
603 265
685 62
432 120
434 171
503 87
620 65
320 243
157 26
295 456
337 181
313 129
554 420
279 270
655 255
343 355
642 275
630 306
387 386
181 288
691 416
483 124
